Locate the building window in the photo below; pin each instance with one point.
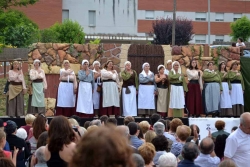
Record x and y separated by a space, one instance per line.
149 14
168 15
200 16
237 16
219 38
92 18
219 17
65 14
200 39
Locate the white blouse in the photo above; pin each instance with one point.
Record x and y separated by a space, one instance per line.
194 75
35 75
105 75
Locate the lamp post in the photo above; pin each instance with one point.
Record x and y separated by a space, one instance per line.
173 26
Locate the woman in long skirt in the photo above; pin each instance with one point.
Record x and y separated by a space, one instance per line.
225 99
147 91
39 86
237 91
211 90
85 91
178 90
129 90
66 97
195 86
17 88
97 87
162 83
110 90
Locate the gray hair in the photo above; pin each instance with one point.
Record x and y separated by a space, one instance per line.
96 122
190 151
139 161
124 130
167 160
40 155
159 128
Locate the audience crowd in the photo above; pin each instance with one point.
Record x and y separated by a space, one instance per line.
103 143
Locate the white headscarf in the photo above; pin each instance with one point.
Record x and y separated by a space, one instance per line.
169 61
179 69
159 66
127 62
96 62
143 72
85 61
37 61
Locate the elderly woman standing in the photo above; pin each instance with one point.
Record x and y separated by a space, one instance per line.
17 88
168 67
97 87
147 91
86 88
39 85
195 86
129 90
162 83
237 91
110 90
212 89
177 90
66 97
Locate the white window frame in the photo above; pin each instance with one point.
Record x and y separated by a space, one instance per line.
200 39
92 23
219 38
149 14
200 16
237 16
219 16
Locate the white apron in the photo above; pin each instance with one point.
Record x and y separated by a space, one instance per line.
110 94
146 97
84 100
177 99
129 102
237 94
225 99
66 96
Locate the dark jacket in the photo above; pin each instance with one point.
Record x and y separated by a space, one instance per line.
187 163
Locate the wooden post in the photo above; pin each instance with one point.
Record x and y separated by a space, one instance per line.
4 69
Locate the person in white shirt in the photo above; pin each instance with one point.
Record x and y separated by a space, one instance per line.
237 144
240 43
168 67
207 157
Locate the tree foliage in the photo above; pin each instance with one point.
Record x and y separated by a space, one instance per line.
241 28
16 29
162 29
49 35
6 4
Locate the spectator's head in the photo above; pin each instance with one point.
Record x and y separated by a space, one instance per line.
10 127
104 119
140 135
115 150
167 160
159 128
42 139
167 125
133 128
39 154
227 163
240 39
2 124
77 118
220 125
123 130
233 44
112 121
73 122
39 125
183 132
92 128
190 151
192 129
2 139
245 122
21 133
174 124
86 124
160 142
139 161
128 119
234 129
144 126
154 118
149 136
57 139
96 122
207 146
82 131
29 119
147 151
6 162
164 123
220 144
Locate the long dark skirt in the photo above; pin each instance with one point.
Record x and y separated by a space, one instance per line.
193 99
16 106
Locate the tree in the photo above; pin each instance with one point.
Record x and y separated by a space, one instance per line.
16 29
162 29
240 28
49 35
69 32
6 4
